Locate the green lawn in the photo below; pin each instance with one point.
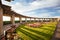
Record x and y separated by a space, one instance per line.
44 32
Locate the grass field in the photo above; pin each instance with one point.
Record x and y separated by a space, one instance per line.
44 32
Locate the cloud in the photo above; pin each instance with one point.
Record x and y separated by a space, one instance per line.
58 11
46 15
37 4
34 5
31 14
40 15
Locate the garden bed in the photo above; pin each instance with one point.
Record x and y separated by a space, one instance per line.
30 33
35 25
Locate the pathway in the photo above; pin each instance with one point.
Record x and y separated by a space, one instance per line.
56 35
7 27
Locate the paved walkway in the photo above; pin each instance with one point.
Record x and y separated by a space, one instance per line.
7 27
56 35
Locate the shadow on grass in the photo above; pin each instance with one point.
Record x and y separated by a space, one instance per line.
34 37
40 33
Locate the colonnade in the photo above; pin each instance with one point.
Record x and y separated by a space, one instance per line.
20 18
12 17
30 19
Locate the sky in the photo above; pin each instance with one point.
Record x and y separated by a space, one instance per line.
36 8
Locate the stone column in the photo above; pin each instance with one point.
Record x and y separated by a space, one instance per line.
45 19
1 21
20 19
58 19
34 19
42 20
55 19
50 19
13 19
38 20
30 19
25 19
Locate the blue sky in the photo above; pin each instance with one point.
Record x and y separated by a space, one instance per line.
36 8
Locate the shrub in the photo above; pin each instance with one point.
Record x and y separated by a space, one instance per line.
6 22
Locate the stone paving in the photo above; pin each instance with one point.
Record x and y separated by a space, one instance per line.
56 35
7 27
